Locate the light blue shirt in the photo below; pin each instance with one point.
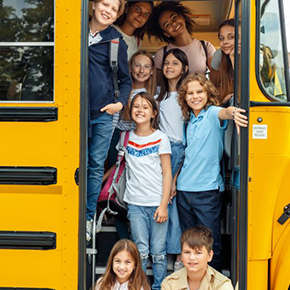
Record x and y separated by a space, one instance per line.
203 153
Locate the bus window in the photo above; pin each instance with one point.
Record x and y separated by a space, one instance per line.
26 50
271 62
286 5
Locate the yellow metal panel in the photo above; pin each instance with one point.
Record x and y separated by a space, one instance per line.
258 275
23 268
54 207
268 187
280 263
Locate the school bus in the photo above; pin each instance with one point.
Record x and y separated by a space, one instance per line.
43 123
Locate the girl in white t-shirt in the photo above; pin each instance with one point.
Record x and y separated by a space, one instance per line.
143 74
148 183
174 69
123 271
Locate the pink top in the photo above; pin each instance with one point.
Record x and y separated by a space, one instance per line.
194 52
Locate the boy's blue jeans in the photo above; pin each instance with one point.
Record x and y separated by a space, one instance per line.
98 146
201 208
150 237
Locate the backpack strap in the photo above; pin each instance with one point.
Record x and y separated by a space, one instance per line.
114 48
204 48
206 55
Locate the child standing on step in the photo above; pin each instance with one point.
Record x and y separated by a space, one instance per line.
200 184
174 69
148 183
102 103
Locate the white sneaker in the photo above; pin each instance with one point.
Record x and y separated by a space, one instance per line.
177 266
89 230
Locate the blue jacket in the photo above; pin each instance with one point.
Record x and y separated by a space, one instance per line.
101 89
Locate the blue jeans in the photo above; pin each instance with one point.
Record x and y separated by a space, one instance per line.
174 230
150 237
98 146
201 208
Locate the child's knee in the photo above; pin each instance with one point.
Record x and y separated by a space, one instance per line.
157 258
144 256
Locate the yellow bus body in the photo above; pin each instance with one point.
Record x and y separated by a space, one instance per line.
268 186
52 208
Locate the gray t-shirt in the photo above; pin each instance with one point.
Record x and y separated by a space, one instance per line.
216 59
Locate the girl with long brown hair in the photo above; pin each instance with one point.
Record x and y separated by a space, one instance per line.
123 269
222 74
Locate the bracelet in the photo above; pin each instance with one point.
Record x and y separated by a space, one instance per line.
234 113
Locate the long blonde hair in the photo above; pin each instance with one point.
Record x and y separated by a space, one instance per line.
138 278
150 85
212 93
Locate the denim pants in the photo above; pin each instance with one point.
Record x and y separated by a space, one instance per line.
98 146
201 208
174 230
150 237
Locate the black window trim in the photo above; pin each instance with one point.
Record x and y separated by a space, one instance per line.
284 49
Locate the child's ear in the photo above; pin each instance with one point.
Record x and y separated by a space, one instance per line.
210 255
186 68
154 114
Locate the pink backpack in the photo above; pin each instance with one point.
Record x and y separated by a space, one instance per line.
111 198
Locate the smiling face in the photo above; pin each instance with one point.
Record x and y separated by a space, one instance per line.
227 38
172 67
196 97
172 24
105 12
123 266
142 112
195 260
138 14
141 70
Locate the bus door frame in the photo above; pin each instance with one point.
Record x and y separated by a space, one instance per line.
82 174
240 200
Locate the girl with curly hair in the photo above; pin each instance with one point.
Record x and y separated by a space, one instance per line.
199 184
175 27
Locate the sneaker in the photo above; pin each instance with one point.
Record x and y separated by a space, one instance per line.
89 230
178 265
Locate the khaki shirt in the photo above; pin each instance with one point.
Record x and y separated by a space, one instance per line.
213 280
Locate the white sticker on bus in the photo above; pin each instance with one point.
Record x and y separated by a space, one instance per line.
260 131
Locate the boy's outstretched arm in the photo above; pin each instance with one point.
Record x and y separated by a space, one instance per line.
234 113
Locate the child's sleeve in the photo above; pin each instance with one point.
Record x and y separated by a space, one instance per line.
214 118
164 147
124 79
216 59
210 49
